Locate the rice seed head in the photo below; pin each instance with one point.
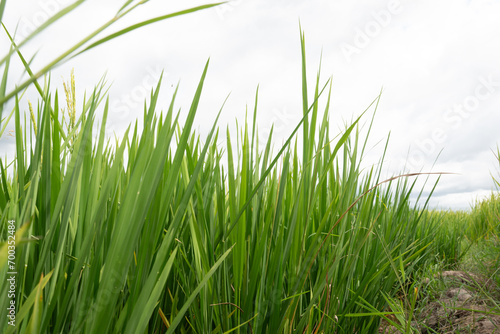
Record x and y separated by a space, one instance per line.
70 92
32 116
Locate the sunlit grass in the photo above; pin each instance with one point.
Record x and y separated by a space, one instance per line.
178 239
163 230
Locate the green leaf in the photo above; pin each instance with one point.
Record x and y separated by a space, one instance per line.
193 295
145 23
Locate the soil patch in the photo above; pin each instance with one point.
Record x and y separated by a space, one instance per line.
459 309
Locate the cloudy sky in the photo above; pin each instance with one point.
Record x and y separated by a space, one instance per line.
436 61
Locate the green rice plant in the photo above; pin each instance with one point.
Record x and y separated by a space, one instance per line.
448 228
484 221
497 156
86 216
485 218
167 231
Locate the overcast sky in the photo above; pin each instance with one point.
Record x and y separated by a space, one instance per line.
437 62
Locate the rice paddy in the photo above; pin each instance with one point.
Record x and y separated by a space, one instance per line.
166 231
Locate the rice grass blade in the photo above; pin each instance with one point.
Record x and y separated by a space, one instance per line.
29 302
148 298
138 322
242 324
55 173
109 186
4 194
135 205
51 20
3 84
195 293
179 154
18 237
264 175
145 23
62 209
138 196
35 321
20 152
123 8
73 51
2 8
26 65
305 105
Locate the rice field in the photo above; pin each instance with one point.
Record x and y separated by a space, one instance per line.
163 231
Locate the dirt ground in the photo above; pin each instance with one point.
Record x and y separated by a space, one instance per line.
460 309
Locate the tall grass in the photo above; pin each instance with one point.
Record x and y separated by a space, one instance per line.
176 239
485 219
452 240
485 215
